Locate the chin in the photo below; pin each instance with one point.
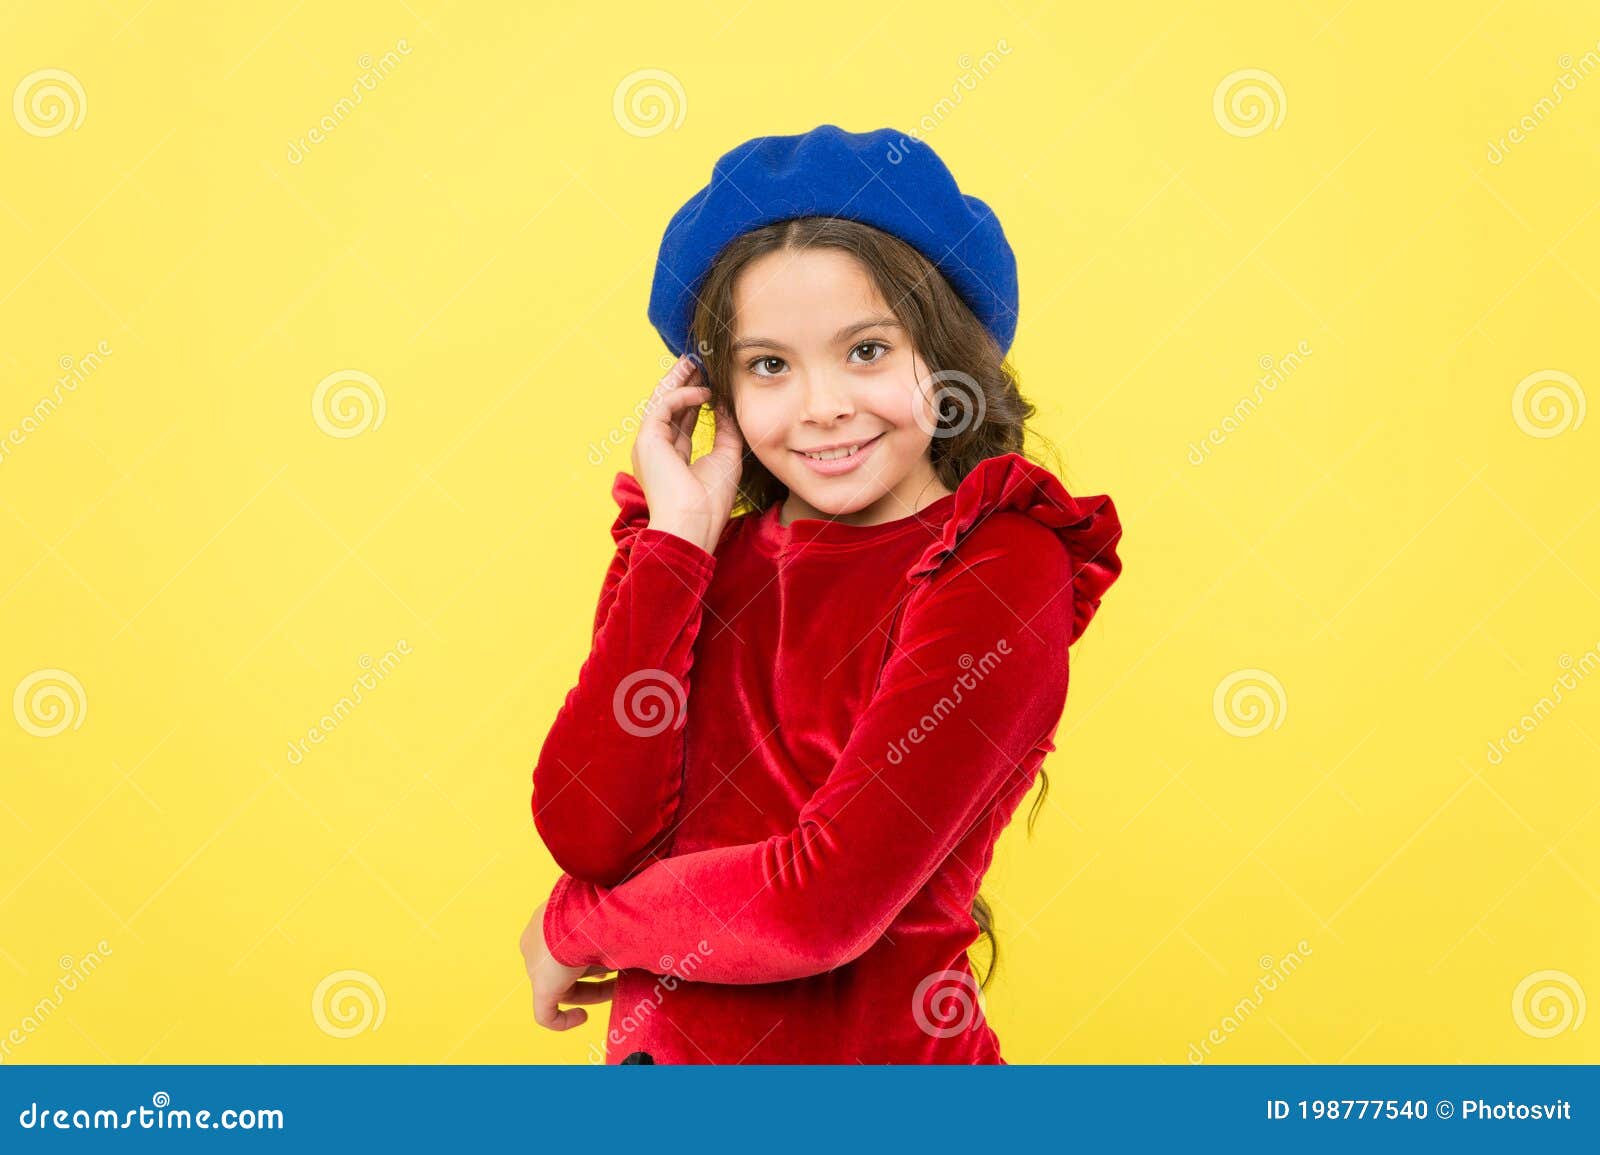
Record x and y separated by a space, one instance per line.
850 494
836 507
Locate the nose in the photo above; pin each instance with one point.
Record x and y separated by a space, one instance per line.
825 400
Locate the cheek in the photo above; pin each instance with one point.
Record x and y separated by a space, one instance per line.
903 402
761 422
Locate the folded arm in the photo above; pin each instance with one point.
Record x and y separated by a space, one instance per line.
977 681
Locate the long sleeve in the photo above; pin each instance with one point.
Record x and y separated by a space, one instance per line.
976 681
606 783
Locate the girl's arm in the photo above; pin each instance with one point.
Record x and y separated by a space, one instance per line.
978 680
606 783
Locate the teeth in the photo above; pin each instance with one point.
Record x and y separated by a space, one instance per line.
834 454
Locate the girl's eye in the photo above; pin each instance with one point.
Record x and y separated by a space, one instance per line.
879 349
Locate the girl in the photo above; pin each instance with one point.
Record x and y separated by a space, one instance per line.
830 654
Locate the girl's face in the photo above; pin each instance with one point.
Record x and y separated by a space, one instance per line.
819 360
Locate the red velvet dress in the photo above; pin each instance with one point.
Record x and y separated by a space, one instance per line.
777 784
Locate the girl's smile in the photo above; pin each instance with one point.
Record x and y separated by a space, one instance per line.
839 459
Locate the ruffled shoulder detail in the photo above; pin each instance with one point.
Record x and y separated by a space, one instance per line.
633 512
1087 526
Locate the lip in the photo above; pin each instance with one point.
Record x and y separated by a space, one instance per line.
839 465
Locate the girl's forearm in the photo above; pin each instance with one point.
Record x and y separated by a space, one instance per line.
607 780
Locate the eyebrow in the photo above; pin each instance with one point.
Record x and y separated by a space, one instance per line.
869 323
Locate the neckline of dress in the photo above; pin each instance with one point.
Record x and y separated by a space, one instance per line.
829 532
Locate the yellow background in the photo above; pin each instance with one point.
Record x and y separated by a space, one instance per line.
1383 536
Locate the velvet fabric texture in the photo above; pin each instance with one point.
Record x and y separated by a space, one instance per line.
777 784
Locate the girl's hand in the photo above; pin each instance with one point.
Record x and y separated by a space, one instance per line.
554 983
694 500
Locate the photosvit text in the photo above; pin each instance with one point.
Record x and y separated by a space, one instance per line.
1357 1109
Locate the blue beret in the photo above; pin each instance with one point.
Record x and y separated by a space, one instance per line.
881 178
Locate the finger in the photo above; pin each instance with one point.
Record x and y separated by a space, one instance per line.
597 969
696 384
679 369
583 993
675 377
686 420
666 407
548 1015
555 1019
678 375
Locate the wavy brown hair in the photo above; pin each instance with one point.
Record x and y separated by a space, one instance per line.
982 414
